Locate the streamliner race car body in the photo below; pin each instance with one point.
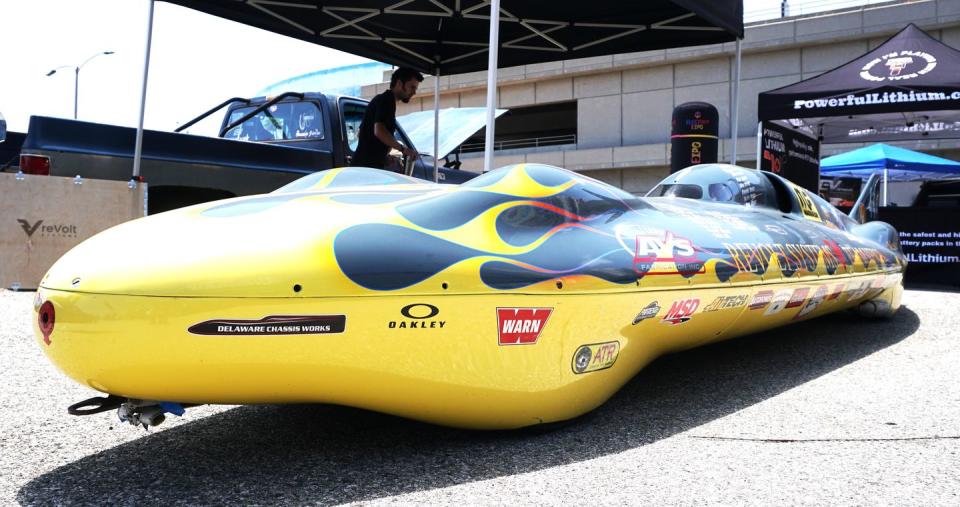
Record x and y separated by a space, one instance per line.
527 295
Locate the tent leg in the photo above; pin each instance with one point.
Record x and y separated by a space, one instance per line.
735 114
436 127
492 49
885 186
138 147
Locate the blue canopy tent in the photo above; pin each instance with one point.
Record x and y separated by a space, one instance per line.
895 164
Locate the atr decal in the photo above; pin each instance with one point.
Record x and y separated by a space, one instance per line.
420 316
521 326
797 298
272 325
680 311
818 297
761 299
778 302
648 312
596 356
725 302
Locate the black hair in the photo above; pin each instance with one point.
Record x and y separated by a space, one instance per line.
404 74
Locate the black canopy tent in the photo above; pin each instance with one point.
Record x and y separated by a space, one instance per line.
907 88
452 36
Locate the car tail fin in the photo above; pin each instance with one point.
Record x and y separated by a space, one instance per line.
867 207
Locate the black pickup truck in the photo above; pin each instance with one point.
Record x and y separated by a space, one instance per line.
263 144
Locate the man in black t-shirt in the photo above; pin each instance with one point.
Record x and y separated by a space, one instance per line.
380 121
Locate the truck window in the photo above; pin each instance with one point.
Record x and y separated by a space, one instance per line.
285 121
352 118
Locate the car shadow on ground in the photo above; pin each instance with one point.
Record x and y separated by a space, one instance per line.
324 454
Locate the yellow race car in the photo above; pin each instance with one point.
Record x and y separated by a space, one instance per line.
525 296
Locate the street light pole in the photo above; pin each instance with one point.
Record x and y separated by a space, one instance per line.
76 77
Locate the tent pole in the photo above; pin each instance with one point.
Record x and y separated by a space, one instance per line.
436 127
885 186
138 146
492 49
735 116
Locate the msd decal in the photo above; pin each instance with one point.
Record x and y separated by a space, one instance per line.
681 311
521 326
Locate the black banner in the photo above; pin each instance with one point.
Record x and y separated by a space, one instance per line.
791 154
930 238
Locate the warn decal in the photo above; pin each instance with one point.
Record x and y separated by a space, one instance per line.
521 326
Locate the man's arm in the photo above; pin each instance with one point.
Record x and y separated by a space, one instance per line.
380 131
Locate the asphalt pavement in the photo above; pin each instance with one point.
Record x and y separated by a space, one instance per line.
834 411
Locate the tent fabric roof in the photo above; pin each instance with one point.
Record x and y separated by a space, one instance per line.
451 36
901 164
911 71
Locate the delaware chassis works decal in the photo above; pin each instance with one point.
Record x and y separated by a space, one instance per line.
272 325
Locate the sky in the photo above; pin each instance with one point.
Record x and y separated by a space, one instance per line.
197 60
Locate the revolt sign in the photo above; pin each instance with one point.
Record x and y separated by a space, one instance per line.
41 217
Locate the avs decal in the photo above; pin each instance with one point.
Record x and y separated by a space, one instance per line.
900 65
272 325
778 302
761 299
521 326
595 356
798 297
680 311
818 297
650 311
726 302
418 316
659 252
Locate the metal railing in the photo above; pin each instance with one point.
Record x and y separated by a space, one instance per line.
792 8
533 142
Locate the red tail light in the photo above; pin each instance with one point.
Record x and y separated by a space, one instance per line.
46 318
35 164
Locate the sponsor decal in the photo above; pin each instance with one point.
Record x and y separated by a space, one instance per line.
761 299
778 302
725 302
521 326
807 206
797 298
58 230
659 252
900 65
755 257
272 325
418 316
859 291
595 356
776 229
648 312
818 296
681 311
837 291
